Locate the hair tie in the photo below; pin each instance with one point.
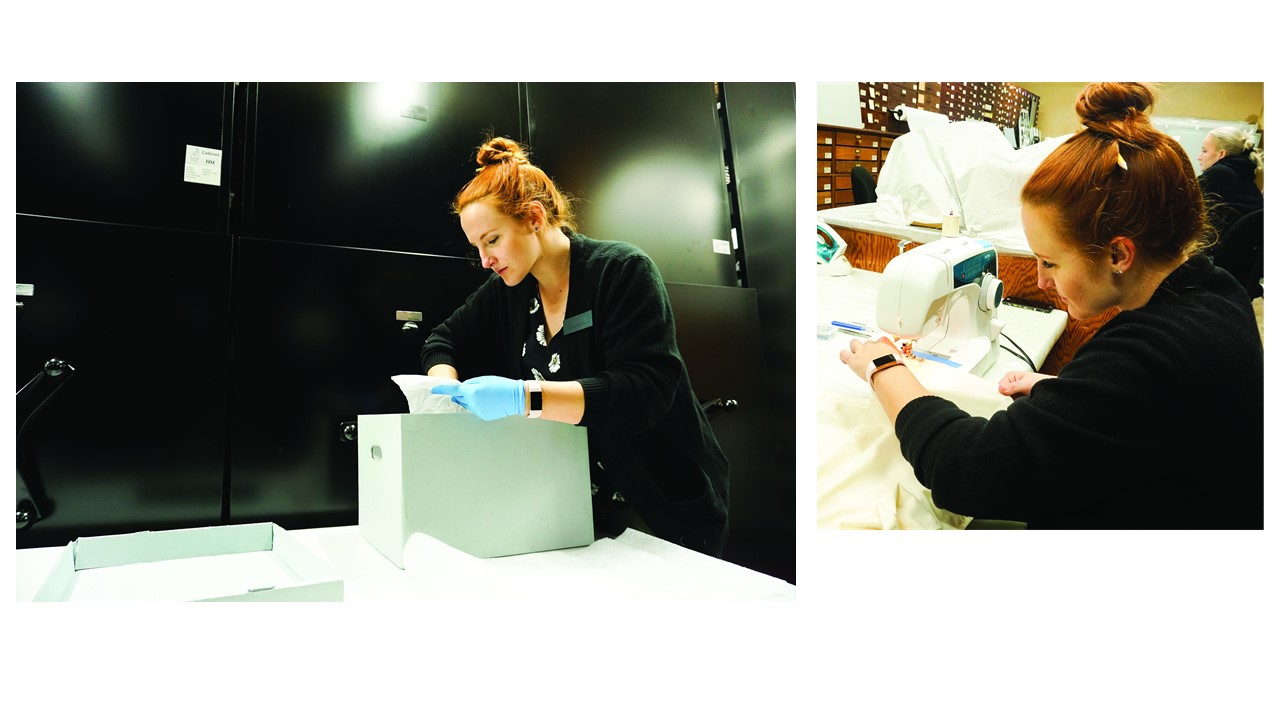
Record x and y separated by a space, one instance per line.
1120 158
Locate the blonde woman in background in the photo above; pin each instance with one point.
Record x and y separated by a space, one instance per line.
1230 162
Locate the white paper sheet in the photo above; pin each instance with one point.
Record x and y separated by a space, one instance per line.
450 574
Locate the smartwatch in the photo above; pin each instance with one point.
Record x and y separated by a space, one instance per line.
535 398
884 362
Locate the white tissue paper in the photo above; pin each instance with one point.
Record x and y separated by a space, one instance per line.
417 390
968 168
965 167
912 189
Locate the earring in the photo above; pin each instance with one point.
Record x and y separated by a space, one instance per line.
1117 273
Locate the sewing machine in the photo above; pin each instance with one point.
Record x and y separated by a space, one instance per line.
942 298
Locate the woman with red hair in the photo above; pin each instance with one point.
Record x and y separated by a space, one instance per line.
580 331
1157 420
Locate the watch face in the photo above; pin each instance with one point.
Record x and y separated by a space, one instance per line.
883 360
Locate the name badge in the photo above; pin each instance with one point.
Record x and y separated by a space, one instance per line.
577 322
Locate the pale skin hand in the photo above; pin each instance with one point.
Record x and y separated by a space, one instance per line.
561 401
894 387
1018 383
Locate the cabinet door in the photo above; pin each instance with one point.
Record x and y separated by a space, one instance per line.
132 439
368 165
316 344
646 162
117 152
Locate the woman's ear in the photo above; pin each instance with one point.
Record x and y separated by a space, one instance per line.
1123 254
537 216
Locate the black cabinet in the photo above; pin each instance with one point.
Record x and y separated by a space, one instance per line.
316 344
116 152
367 165
645 161
134 439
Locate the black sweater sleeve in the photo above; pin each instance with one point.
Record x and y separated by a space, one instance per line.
636 329
471 339
1051 452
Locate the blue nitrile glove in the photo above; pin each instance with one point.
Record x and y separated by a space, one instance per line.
490 397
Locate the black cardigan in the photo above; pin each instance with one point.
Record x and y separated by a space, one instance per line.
1230 191
1156 422
648 436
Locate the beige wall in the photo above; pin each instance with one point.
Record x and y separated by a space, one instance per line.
1216 101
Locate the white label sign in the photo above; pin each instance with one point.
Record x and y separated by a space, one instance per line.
721 246
203 165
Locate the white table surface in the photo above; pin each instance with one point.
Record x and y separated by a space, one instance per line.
632 566
863 217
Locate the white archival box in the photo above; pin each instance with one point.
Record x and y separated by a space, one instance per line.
256 561
502 487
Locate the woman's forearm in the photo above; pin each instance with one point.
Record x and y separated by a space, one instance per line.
444 371
561 401
895 387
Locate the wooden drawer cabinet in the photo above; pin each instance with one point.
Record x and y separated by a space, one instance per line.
848 148
1000 103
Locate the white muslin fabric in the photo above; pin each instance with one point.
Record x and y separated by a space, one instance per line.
864 482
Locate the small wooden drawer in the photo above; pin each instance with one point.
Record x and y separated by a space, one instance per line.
824 198
827 183
842 197
857 153
871 167
826 137
859 139
826 152
826 168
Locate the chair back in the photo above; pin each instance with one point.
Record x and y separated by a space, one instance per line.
864 186
1239 252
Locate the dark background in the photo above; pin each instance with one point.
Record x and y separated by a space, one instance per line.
221 335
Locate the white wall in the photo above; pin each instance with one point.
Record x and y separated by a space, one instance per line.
838 104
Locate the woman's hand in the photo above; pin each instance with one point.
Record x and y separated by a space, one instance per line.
860 354
1018 383
490 397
